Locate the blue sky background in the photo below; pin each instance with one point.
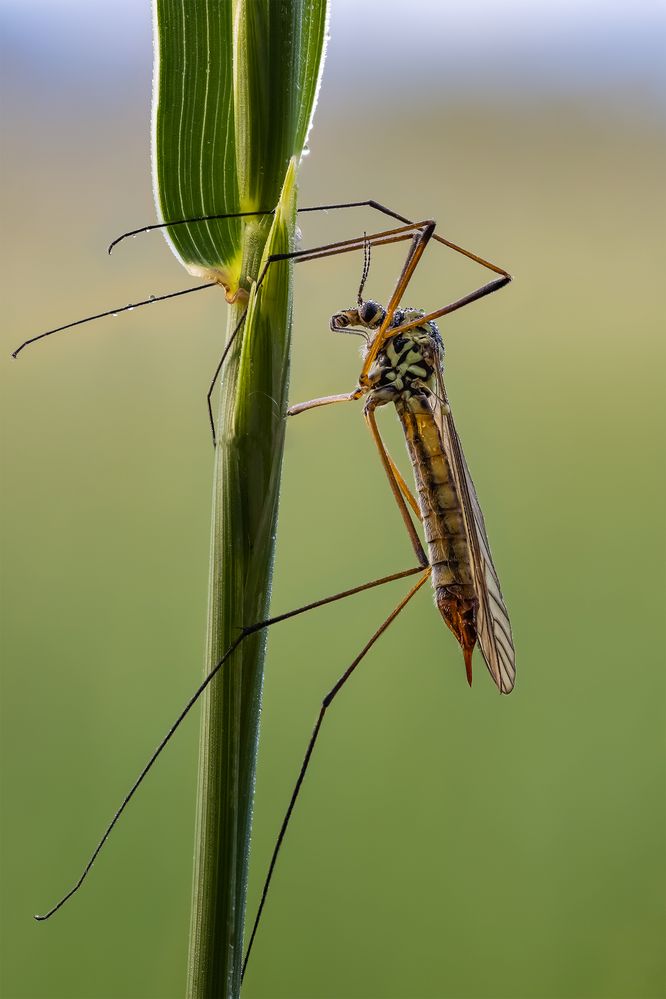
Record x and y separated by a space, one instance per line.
512 47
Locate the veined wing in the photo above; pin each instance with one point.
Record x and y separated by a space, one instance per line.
492 624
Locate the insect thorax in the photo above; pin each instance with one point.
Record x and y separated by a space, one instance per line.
407 362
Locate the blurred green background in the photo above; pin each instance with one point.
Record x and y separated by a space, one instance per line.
448 843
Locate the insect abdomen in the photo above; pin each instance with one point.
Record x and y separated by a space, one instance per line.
438 498
443 522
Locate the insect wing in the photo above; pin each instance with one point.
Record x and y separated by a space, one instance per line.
493 625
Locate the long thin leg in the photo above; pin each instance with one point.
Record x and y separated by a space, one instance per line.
398 485
300 255
419 243
325 400
115 312
369 413
423 232
382 238
303 254
404 488
209 393
244 633
474 296
420 239
342 247
369 203
310 748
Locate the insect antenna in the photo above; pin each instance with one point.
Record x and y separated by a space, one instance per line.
114 312
366 269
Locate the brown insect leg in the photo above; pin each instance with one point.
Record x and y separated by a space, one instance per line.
113 312
244 633
326 400
369 413
404 488
310 748
474 296
419 243
383 238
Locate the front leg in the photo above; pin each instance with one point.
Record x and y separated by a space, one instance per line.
398 485
325 400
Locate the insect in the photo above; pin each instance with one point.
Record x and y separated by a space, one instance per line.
403 364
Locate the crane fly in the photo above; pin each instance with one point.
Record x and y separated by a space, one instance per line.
403 365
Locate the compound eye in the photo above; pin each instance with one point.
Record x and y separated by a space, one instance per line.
371 314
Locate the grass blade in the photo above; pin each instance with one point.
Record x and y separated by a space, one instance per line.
235 87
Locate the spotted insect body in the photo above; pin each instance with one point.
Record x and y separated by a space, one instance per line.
407 362
407 371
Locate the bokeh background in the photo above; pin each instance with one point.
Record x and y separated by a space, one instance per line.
448 843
